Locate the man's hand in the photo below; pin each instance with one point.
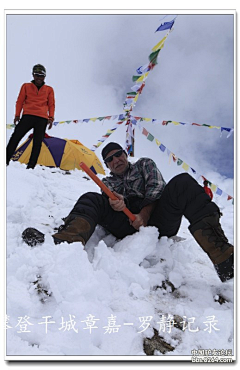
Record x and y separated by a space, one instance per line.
139 221
143 216
16 119
117 204
50 122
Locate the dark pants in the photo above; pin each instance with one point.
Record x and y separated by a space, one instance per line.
182 196
26 123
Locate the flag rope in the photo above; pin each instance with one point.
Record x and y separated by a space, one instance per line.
135 119
179 162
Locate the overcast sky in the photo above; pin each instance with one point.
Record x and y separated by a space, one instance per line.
90 61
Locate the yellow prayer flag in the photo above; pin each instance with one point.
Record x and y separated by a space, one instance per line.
93 119
160 45
62 122
136 98
147 119
157 142
142 78
185 166
213 187
175 123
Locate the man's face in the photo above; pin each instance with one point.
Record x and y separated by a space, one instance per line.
39 79
119 163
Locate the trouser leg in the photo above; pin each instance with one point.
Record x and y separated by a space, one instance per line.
182 196
20 131
96 207
92 209
39 125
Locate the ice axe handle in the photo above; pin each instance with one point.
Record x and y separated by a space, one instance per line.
105 188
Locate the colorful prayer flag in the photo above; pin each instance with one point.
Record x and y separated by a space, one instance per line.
153 56
136 87
145 132
185 166
165 26
160 45
143 69
219 191
213 187
150 137
162 148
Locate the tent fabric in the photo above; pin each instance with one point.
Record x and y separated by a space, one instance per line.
63 153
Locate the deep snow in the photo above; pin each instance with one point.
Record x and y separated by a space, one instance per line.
105 299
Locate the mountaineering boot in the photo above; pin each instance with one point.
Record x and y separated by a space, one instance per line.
32 236
76 229
210 236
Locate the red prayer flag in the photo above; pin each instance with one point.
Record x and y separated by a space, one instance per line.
145 132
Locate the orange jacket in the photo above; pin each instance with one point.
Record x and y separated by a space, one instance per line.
36 102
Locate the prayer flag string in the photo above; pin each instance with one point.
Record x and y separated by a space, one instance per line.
139 82
176 123
135 120
179 162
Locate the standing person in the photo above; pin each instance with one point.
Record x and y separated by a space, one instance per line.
208 191
141 188
37 102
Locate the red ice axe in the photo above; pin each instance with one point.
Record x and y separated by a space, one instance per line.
105 189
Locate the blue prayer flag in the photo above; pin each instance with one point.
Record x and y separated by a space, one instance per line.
133 121
143 69
219 191
121 116
225 129
165 26
162 148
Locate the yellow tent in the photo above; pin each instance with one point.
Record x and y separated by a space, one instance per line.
63 153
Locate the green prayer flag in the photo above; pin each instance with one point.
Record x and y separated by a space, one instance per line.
150 137
135 78
179 162
153 56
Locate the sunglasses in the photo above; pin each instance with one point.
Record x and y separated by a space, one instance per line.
110 158
39 75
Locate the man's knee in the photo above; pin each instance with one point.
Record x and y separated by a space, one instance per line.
93 205
182 181
93 197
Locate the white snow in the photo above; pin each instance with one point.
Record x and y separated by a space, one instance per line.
117 286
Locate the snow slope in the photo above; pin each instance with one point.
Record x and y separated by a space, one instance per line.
105 299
